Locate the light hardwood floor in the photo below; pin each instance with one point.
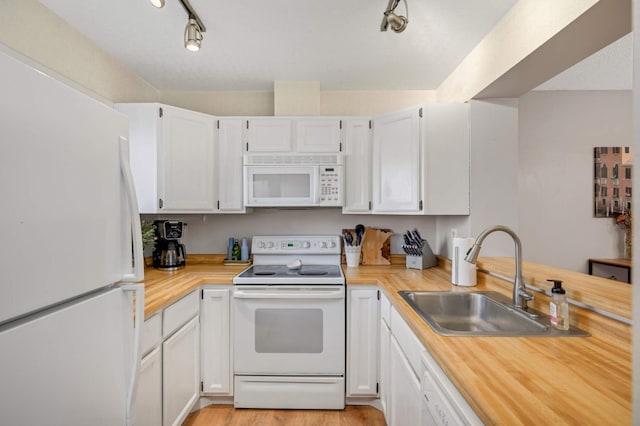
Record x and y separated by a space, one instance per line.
352 415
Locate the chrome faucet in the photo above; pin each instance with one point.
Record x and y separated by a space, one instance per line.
520 294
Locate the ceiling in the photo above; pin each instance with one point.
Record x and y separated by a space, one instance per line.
249 44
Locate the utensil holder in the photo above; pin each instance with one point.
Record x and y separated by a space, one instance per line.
352 254
420 262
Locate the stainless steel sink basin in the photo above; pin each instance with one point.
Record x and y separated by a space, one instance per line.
482 313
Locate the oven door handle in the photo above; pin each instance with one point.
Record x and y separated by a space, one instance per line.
283 294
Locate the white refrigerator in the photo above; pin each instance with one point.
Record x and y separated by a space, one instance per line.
70 241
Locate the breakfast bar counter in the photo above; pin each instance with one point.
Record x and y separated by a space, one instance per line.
506 380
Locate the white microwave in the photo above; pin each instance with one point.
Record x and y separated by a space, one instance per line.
293 180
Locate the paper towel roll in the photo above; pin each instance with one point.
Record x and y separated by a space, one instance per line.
462 273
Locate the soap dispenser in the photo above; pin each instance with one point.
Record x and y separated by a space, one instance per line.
559 307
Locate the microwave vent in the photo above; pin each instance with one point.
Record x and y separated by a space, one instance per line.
292 159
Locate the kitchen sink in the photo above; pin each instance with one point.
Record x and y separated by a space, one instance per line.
481 313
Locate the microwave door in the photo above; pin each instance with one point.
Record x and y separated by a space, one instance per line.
281 186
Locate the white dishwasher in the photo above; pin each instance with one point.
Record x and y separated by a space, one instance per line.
442 403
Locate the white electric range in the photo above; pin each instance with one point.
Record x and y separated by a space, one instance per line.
289 325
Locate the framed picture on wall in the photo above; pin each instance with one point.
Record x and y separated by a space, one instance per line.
612 184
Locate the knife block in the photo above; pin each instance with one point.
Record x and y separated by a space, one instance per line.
427 260
421 262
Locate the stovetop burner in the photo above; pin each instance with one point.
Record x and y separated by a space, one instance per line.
316 260
284 272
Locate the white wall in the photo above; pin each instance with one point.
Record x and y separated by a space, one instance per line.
557 133
494 172
493 126
210 233
31 29
345 103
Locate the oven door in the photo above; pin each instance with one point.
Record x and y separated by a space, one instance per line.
289 330
281 186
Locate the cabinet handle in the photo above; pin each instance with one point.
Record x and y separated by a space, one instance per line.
160 203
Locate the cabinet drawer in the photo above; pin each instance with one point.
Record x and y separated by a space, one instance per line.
179 313
151 333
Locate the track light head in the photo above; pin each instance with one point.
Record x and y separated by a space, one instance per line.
157 3
192 35
398 23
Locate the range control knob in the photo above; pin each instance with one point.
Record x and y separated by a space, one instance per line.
270 244
261 244
306 244
332 244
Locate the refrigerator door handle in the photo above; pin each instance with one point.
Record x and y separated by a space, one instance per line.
138 291
134 212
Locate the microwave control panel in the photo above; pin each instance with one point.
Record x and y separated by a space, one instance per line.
330 185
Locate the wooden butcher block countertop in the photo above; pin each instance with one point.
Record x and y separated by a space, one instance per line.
506 380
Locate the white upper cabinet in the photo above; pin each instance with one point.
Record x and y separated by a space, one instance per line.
172 158
267 134
445 135
396 163
318 134
186 157
230 149
357 156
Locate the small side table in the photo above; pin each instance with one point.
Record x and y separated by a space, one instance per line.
607 268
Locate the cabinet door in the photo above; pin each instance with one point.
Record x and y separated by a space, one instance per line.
269 135
396 163
405 396
216 344
148 409
385 365
318 134
180 373
445 134
362 342
357 135
229 165
186 163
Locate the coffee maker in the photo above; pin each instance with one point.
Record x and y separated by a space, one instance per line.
169 254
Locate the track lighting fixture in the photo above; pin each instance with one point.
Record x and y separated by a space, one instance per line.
398 23
194 29
192 35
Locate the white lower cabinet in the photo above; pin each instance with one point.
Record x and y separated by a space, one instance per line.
385 364
414 390
217 370
404 389
169 378
148 409
362 341
181 372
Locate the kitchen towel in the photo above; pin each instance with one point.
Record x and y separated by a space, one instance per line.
462 273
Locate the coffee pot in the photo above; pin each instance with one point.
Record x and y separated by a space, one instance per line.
169 254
